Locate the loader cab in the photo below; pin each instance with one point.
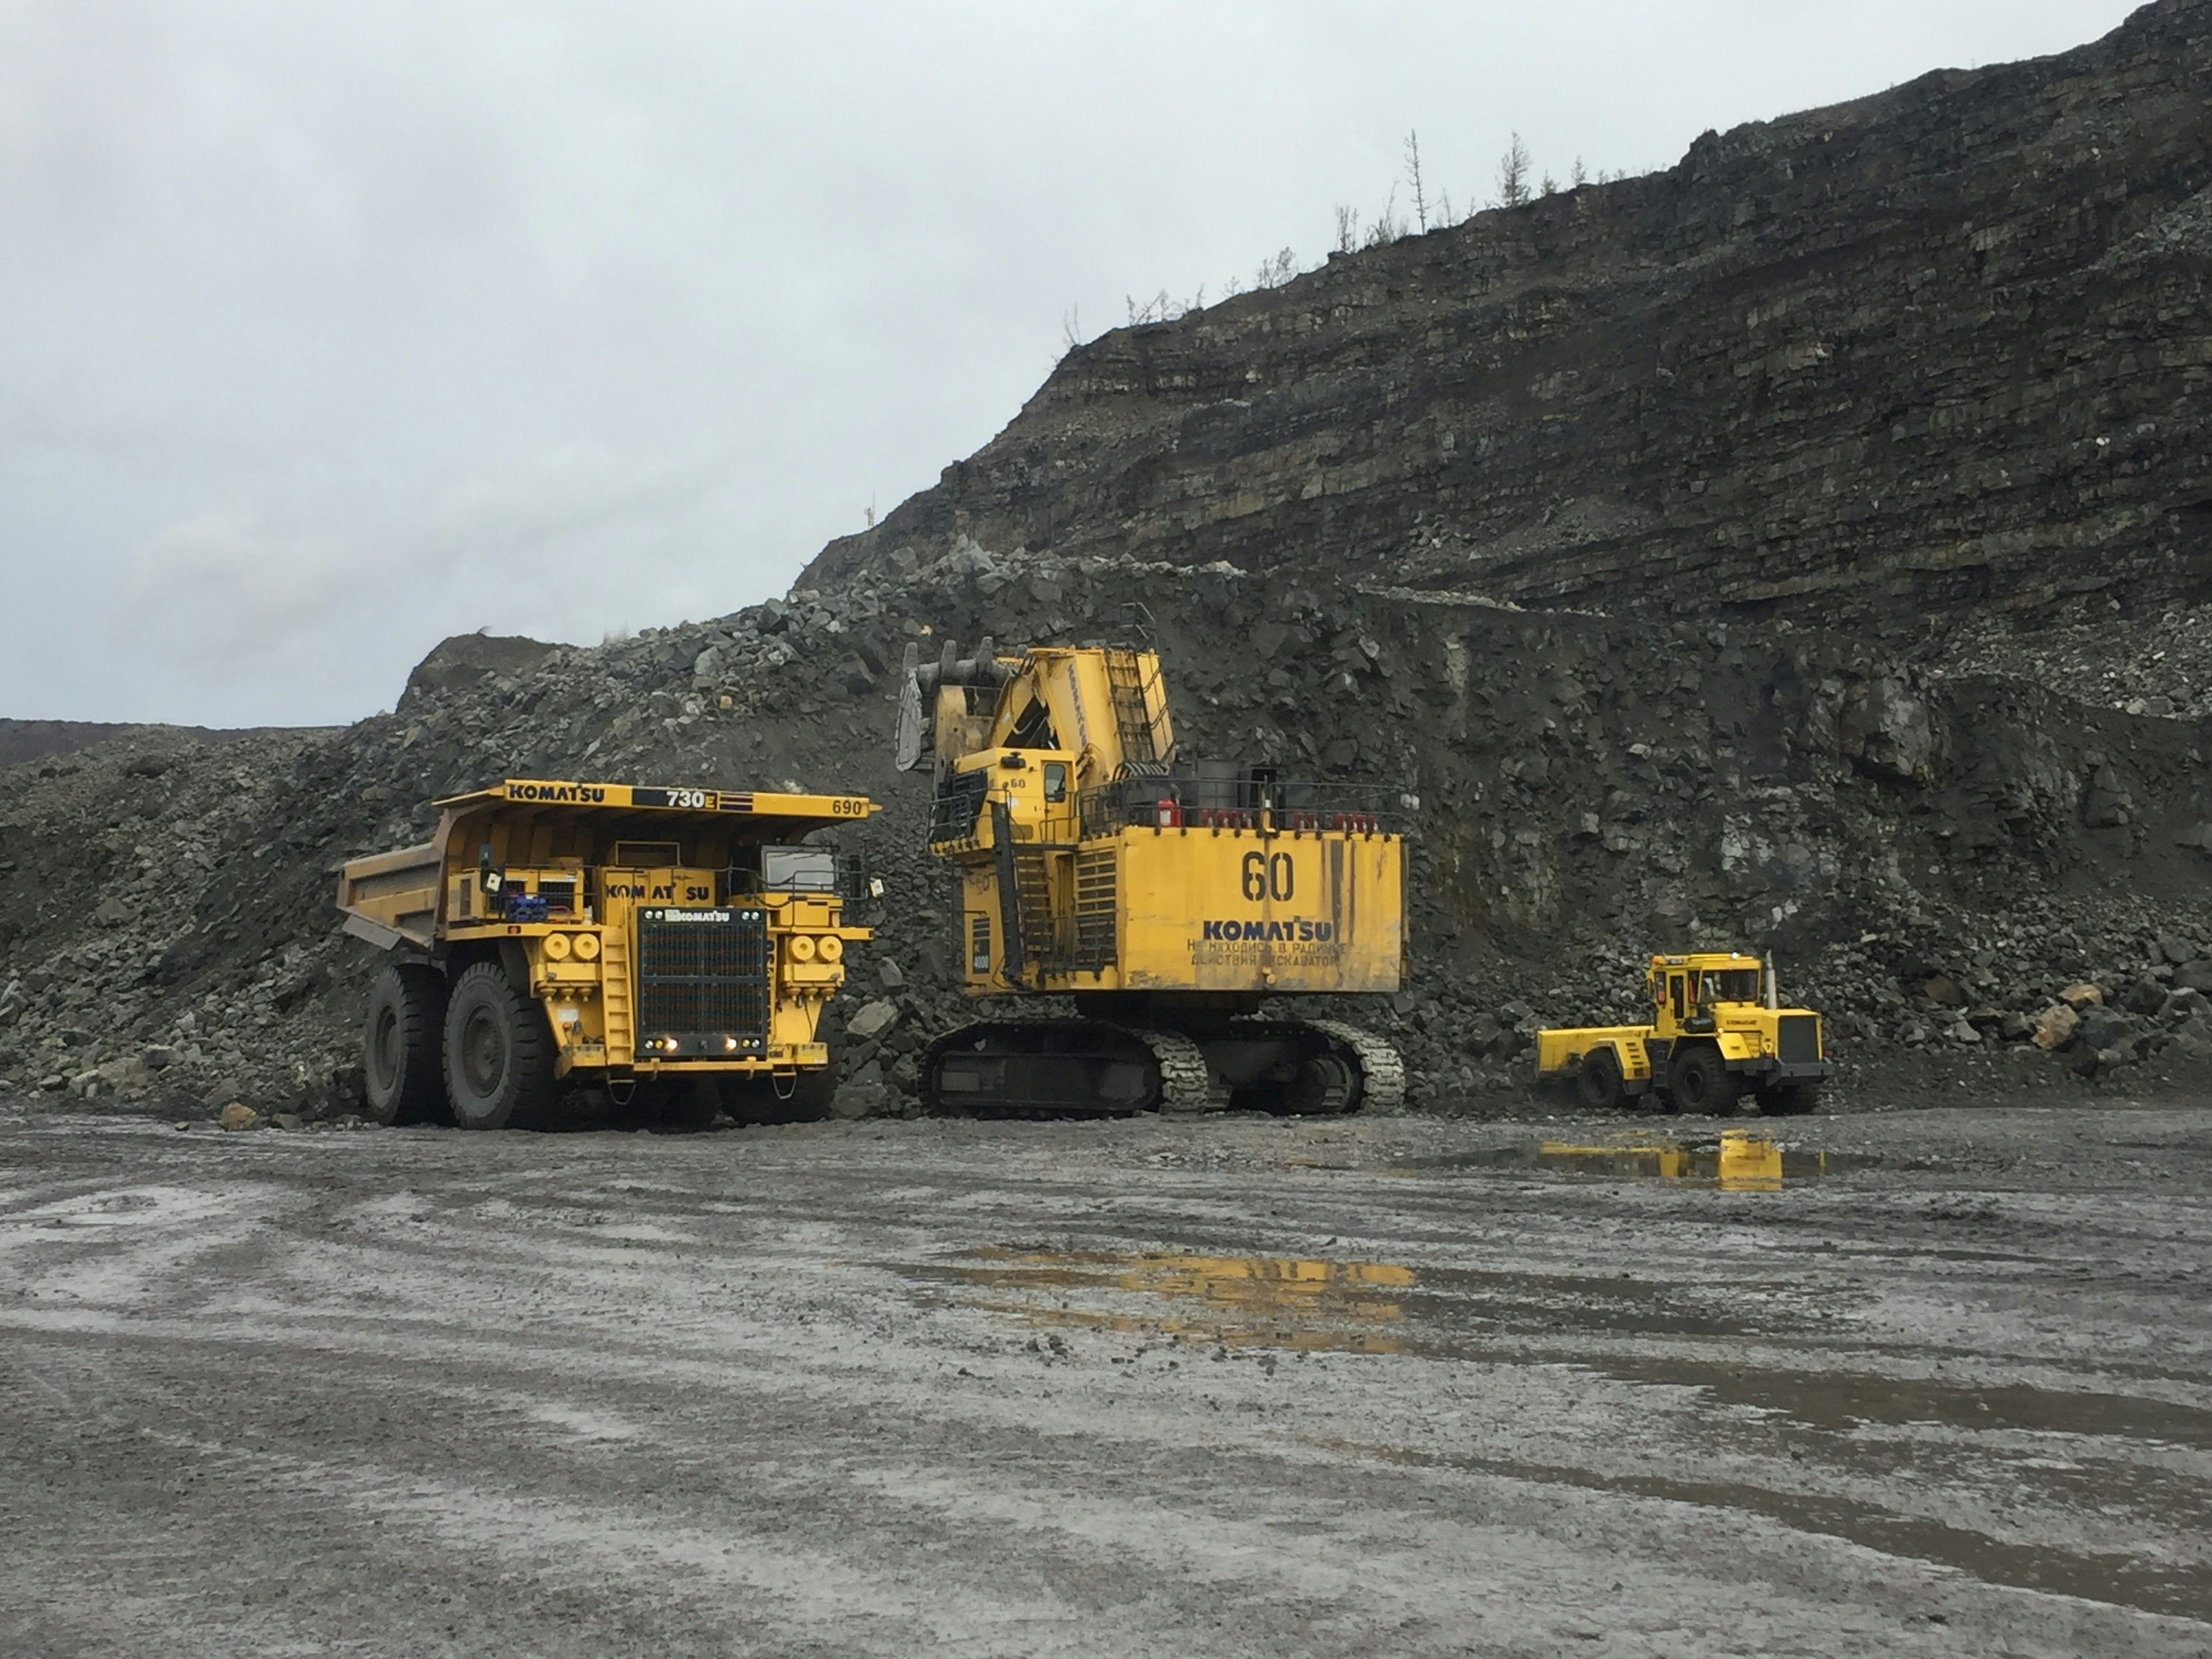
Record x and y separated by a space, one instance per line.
1693 994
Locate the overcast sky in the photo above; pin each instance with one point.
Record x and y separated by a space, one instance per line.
329 330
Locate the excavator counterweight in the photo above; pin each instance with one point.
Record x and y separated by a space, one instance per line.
1168 899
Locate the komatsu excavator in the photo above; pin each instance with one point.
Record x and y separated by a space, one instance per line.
1168 900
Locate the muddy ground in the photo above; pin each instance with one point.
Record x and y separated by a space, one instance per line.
1403 1386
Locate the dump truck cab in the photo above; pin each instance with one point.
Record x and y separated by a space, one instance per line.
1717 1030
683 941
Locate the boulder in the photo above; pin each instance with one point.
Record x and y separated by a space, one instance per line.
2055 1026
1944 991
858 1097
240 1116
2080 996
2195 976
2103 1028
2145 996
872 1020
1887 730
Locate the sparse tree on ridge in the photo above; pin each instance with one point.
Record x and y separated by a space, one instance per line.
1513 175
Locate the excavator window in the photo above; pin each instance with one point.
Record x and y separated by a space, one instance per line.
1055 780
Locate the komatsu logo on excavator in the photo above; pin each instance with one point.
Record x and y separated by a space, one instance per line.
1298 933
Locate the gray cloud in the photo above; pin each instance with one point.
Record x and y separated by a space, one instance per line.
333 329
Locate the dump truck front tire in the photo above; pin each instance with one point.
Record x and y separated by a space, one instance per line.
1702 1082
403 1080
499 1052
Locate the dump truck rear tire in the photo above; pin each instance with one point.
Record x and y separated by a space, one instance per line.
1702 1082
403 1079
1598 1081
499 1052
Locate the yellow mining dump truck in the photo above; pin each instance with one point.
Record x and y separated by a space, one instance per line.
1715 1028
676 945
1165 899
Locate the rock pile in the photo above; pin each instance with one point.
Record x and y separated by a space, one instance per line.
1936 861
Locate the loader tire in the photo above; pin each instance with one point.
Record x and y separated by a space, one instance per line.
1702 1084
402 1078
1791 1101
499 1052
1597 1082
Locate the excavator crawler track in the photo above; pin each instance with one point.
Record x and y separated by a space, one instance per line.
1383 1070
1186 1086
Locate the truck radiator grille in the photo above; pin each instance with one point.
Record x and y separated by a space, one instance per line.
1798 1039
707 976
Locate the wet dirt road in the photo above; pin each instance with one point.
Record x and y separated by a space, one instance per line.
1401 1386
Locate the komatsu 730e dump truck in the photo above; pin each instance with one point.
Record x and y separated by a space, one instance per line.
1167 899
678 945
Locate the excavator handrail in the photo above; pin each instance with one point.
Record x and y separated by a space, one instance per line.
1277 806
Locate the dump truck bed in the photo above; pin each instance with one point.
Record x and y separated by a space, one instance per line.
394 899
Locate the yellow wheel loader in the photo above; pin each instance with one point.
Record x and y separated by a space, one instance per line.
1717 1030
1166 899
675 945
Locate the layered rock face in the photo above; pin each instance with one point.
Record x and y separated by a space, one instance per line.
1935 353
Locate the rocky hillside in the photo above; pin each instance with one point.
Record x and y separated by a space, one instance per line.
1605 529
31 740
1937 860
1941 353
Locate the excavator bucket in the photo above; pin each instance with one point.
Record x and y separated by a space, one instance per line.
912 742
923 712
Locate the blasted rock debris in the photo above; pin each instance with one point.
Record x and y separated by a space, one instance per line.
1936 861
1806 550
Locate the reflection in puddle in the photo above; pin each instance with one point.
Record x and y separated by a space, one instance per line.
1735 1161
1233 1301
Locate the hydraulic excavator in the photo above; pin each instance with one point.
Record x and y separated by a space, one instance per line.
1167 900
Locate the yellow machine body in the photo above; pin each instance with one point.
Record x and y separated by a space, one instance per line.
1716 1003
582 889
1171 897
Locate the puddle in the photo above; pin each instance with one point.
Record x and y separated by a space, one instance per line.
1278 1301
1735 1160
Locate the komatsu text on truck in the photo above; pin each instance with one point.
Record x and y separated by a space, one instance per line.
676 945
